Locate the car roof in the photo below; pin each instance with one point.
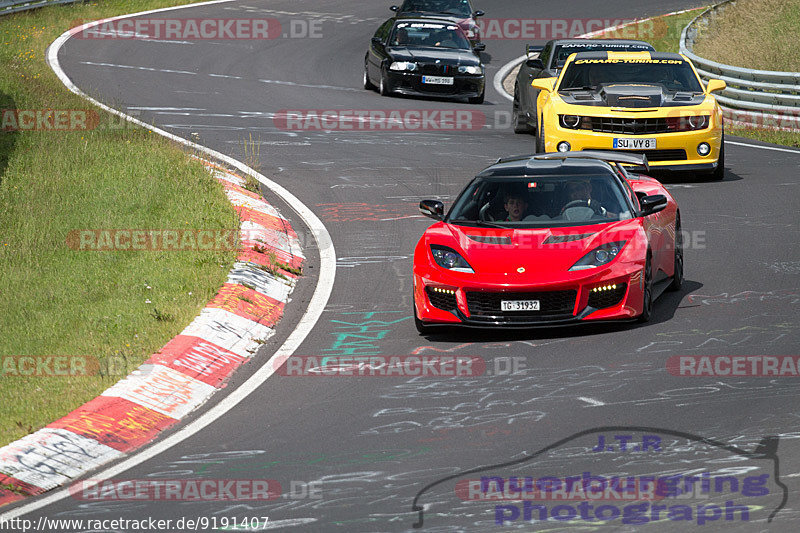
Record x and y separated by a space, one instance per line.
528 166
561 163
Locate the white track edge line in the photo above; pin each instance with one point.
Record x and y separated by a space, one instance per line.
775 148
327 274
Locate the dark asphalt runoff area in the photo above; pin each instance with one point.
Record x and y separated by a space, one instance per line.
358 453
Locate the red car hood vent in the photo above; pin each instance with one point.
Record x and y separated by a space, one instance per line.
491 239
558 239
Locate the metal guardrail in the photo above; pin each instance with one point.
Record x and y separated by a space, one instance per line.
760 98
14 6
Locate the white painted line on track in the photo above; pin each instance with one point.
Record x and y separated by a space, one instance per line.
502 73
327 273
134 67
591 401
775 148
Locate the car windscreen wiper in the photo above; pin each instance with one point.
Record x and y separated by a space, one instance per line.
479 223
584 88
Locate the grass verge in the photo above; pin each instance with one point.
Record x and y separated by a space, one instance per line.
757 34
58 301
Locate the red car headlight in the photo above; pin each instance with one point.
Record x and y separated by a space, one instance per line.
450 259
600 256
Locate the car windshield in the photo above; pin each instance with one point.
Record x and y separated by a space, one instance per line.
459 8
673 74
565 50
541 202
429 34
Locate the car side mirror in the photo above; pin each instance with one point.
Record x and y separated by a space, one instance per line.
715 85
652 204
544 84
432 208
478 13
394 8
533 49
377 40
479 47
535 63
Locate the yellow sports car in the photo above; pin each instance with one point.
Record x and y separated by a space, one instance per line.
646 102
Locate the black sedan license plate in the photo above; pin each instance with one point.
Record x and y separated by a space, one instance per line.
437 80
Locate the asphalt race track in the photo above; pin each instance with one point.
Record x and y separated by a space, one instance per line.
371 444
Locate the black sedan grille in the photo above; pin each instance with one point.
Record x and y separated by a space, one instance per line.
433 69
607 298
441 300
630 126
552 304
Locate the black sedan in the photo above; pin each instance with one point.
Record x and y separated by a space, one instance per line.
459 11
548 64
424 57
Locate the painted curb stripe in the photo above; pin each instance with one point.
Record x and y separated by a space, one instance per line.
163 390
199 359
241 190
270 238
115 422
249 275
229 331
241 200
248 303
51 457
268 221
263 259
180 377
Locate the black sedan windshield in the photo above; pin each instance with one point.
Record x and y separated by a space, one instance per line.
541 202
428 34
675 75
459 8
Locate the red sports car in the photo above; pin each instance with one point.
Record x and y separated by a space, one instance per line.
549 239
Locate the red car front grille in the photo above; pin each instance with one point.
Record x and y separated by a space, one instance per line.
552 304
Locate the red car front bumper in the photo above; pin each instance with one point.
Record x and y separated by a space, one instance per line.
614 292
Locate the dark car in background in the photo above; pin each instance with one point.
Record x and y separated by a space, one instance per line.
459 11
552 57
424 57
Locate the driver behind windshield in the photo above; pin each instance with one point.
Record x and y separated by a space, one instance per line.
515 205
579 193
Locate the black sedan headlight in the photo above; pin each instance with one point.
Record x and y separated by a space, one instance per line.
408 66
470 69
602 255
450 259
